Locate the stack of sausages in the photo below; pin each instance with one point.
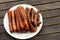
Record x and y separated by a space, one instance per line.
23 20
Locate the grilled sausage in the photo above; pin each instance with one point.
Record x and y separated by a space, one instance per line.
10 20
17 20
13 21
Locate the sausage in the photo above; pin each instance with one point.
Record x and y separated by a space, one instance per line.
13 21
10 20
36 18
17 20
38 21
32 15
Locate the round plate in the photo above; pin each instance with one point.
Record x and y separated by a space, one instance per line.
26 35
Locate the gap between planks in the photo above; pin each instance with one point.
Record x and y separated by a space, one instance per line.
44 6
52 36
41 1
55 36
43 9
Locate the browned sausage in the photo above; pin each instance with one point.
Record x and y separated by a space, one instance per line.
13 21
17 20
32 15
36 18
10 20
38 21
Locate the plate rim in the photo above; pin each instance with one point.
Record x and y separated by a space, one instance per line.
20 38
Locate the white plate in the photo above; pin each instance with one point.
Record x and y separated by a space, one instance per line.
22 35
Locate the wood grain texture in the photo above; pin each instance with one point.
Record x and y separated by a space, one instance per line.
2 30
8 1
50 29
49 6
6 37
51 13
43 7
2 13
43 1
1 21
51 21
1 1
55 36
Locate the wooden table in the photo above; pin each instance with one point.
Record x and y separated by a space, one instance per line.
50 12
